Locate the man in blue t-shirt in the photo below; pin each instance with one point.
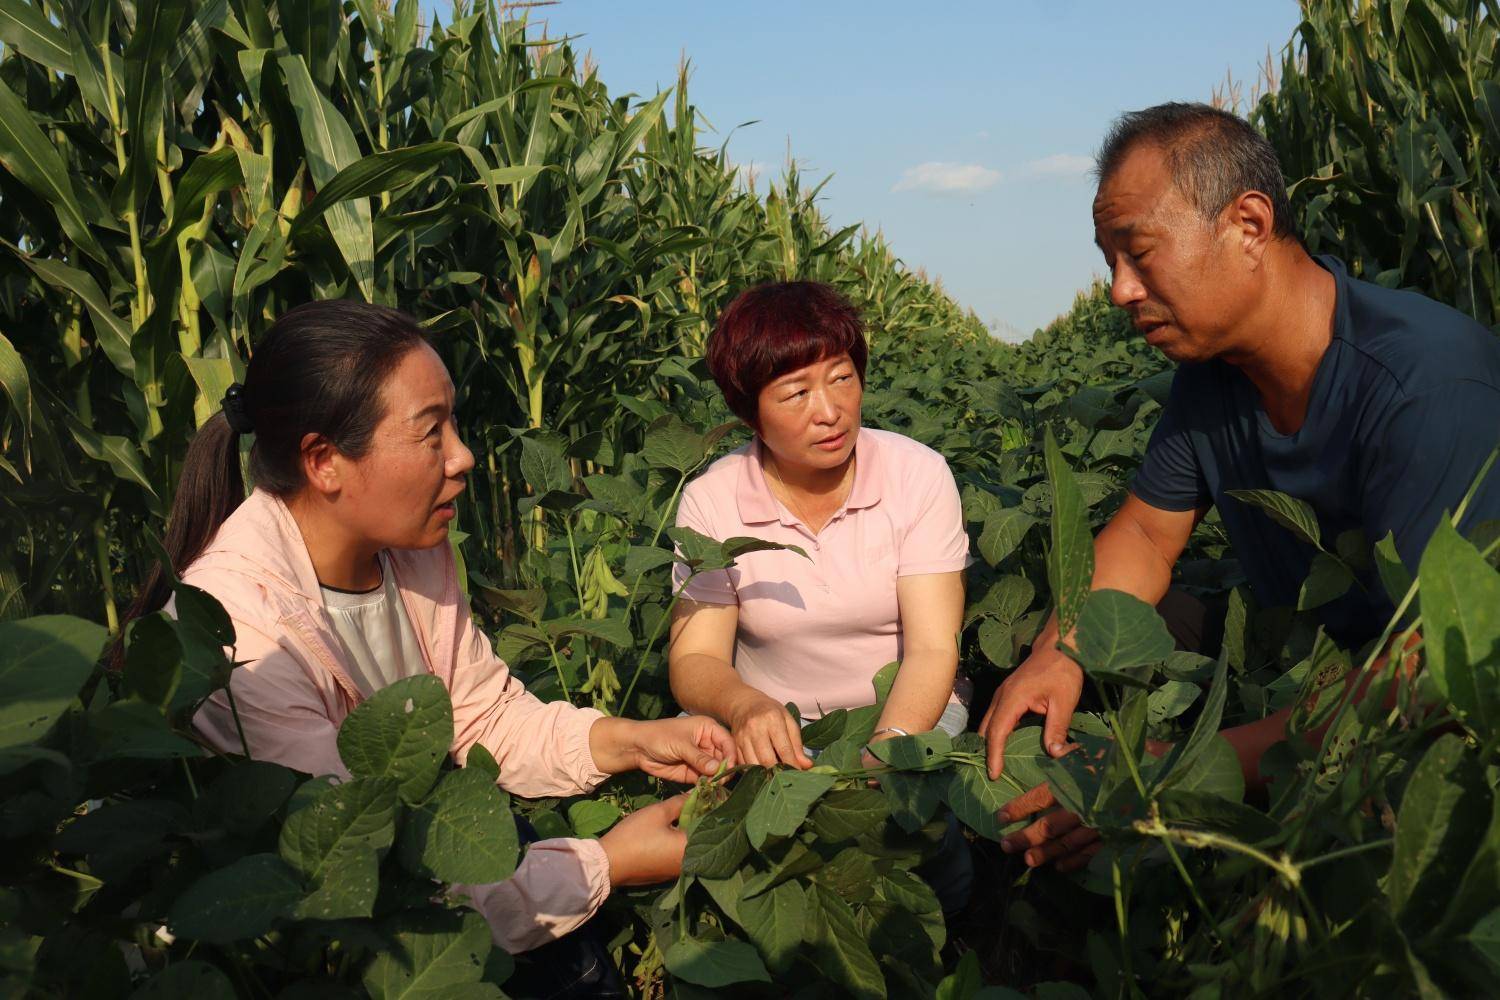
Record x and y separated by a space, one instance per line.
1376 407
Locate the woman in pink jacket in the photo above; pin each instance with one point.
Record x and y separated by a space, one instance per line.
339 579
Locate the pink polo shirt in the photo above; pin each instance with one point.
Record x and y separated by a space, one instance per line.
815 631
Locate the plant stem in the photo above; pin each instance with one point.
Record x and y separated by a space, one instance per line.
1344 852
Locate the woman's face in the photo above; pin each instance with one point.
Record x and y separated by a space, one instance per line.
400 494
810 417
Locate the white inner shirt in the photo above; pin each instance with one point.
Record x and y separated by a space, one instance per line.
377 636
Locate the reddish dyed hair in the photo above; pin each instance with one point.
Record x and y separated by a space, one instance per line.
776 328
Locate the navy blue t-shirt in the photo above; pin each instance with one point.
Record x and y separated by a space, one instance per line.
1405 409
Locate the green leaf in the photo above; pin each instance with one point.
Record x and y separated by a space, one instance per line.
157 26
246 796
591 817
463 833
43 663
330 147
191 978
1294 515
912 798
112 332
672 444
775 922
1394 576
1460 596
1171 700
1327 579
1070 564
718 843
436 955
344 819
1003 531
26 29
372 175
1185 755
783 803
848 813
119 453
402 732
544 468
238 902
1443 817
135 729
15 383
27 153
919 752
715 964
840 945
153 660
1117 631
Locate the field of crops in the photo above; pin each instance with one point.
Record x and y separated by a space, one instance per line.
176 173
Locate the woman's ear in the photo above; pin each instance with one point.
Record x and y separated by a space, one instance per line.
320 469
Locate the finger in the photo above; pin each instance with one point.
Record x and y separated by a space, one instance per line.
747 750
1048 828
717 740
794 736
765 749
1059 847
1034 800
783 745
1079 859
671 808
1055 730
1006 717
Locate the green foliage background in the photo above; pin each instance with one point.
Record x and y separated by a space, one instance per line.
174 173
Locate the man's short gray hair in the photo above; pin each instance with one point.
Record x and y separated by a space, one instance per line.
1214 157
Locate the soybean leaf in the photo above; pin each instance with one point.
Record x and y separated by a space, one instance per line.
1116 631
783 803
1394 576
912 798
401 732
718 843
132 728
847 813
1328 578
672 444
544 468
43 662
820 733
1006 601
1295 515
1443 817
796 860
1003 531
1180 760
918 752
244 797
238 902
462 833
591 817
192 978
1171 700
715 964
1070 564
775 922
1461 628
436 954
334 840
842 951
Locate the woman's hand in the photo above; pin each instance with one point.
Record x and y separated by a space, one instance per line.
765 733
646 847
1058 835
680 749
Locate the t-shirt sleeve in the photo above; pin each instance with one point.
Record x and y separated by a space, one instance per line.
1422 464
1170 477
935 541
712 586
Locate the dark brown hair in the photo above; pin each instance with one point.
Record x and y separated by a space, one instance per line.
776 328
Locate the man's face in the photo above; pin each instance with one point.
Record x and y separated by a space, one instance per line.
1169 267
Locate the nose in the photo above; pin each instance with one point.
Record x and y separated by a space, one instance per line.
459 460
825 410
1125 288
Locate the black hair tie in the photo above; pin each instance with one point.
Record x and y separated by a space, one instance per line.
235 411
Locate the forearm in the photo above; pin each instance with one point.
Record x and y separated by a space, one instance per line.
708 685
923 686
1125 559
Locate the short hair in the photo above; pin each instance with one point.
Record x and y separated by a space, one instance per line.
1214 157
776 328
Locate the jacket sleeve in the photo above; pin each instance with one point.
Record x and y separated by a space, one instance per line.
557 887
542 747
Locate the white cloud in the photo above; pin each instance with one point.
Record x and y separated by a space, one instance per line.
1059 165
947 178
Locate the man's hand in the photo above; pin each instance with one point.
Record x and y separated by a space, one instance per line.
1047 683
766 734
1057 836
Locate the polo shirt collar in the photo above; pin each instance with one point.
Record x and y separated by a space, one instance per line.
757 504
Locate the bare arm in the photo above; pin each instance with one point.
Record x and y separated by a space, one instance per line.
700 667
932 610
1135 553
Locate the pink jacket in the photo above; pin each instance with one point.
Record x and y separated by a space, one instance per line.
293 691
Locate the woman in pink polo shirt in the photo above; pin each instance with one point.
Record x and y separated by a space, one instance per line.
337 574
877 513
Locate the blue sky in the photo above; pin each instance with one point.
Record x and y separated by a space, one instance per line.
962 129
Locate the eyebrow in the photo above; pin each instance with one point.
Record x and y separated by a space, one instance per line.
434 410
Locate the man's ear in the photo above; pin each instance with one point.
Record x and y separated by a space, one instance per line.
1253 223
320 469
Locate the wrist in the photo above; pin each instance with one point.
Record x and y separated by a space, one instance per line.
615 745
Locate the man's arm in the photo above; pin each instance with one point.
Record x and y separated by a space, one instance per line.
1135 553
